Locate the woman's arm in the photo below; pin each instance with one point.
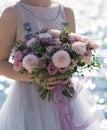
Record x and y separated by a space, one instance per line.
70 18
8 28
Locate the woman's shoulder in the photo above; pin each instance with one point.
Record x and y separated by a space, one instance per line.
10 13
70 17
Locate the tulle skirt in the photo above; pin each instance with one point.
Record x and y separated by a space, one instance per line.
25 110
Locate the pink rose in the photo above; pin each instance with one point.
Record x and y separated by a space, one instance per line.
31 42
52 70
72 40
76 37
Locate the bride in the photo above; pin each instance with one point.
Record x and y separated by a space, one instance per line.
24 109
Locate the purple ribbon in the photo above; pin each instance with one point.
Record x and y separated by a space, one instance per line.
66 112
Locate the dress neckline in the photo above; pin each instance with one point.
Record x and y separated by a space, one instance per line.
39 7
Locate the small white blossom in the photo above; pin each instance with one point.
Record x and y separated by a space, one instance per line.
45 35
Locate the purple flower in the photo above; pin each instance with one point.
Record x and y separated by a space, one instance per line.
18 55
72 40
25 52
52 70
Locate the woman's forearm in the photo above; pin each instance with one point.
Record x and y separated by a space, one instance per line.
6 69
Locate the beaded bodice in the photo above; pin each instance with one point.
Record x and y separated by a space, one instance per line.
39 18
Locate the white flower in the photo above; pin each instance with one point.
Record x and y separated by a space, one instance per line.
31 42
79 48
30 62
61 59
45 35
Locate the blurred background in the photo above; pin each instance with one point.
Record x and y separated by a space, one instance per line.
91 20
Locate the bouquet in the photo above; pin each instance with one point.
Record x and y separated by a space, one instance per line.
54 53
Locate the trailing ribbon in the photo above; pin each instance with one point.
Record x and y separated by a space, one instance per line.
66 112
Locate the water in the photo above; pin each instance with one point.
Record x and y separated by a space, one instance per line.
91 20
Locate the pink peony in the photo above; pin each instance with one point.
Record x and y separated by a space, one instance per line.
30 62
31 42
79 48
18 56
55 33
52 70
61 59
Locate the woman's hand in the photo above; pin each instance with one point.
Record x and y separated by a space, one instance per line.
53 82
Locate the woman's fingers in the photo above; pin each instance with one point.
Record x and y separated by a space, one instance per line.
51 87
54 85
65 81
54 78
55 82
